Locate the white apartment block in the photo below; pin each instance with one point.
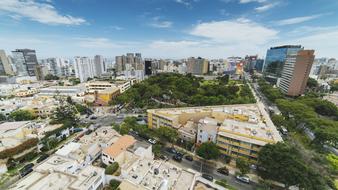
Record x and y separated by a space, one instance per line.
84 68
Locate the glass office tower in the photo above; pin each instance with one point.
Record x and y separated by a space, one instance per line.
275 60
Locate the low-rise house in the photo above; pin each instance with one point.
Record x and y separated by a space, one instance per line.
59 172
116 152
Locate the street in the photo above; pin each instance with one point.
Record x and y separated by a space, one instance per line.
209 169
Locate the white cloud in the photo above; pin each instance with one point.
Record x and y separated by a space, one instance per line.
184 2
234 31
37 11
158 23
297 20
116 27
324 42
249 1
96 43
266 7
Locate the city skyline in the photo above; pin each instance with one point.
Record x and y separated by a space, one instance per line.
167 28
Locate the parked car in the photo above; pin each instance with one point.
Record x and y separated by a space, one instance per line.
152 141
93 117
42 158
164 157
171 150
244 178
26 169
223 171
30 165
179 154
177 158
208 177
23 172
189 158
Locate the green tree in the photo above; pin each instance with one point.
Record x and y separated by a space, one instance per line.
51 77
2 117
22 115
112 168
167 134
283 163
278 120
242 165
208 151
312 83
114 184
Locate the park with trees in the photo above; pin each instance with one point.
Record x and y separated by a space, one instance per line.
174 90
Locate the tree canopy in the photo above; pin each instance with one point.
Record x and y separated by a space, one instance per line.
51 77
170 90
208 151
22 115
283 163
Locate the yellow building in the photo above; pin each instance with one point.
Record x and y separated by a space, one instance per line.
241 139
238 130
103 97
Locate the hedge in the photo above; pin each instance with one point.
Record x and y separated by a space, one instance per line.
10 152
111 169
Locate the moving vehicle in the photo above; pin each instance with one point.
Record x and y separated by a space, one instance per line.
223 171
189 158
208 177
244 178
177 158
152 141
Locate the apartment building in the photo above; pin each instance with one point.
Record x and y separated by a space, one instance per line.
238 130
58 172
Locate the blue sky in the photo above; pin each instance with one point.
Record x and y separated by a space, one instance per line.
167 28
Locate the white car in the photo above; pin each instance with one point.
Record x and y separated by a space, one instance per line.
243 178
152 141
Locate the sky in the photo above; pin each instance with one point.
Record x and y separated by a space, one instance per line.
167 28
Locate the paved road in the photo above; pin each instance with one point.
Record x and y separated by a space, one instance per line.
209 169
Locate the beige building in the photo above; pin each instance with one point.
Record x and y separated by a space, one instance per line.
115 152
238 130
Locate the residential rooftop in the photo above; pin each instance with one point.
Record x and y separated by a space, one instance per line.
53 175
150 174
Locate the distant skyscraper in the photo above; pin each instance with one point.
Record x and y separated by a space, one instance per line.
147 67
83 68
5 66
53 66
129 62
99 65
25 61
120 62
275 60
197 66
296 72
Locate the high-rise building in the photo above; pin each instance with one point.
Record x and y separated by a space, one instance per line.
120 62
5 66
25 61
197 66
275 60
259 65
129 62
83 68
99 65
147 67
53 66
296 72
